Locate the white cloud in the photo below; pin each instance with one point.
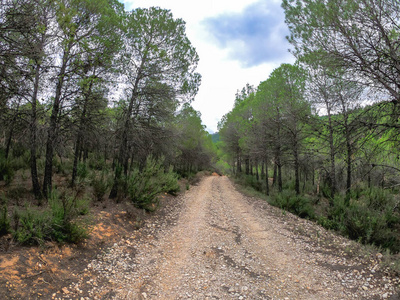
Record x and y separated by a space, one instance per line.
222 73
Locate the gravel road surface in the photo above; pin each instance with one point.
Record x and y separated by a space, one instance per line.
215 243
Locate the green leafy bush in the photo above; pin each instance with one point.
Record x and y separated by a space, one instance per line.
4 219
18 150
6 170
57 222
371 219
21 162
96 163
32 227
100 185
61 167
251 181
82 171
145 185
297 204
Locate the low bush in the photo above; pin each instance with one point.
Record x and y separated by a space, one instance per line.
56 222
144 186
251 181
96 163
82 171
297 204
4 219
371 219
21 162
100 184
6 170
62 166
32 226
371 216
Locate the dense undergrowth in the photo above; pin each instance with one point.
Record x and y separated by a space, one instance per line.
61 217
371 216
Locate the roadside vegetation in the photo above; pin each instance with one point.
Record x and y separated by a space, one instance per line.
319 138
94 105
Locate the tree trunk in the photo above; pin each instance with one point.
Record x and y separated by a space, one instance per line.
257 175
332 172
279 165
76 158
238 166
349 154
247 165
79 136
121 161
51 135
33 136
296 170
262 170
349 169
266 176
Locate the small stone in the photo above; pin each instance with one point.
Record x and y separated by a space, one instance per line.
379 255
385 295
144 295
365 288
65 290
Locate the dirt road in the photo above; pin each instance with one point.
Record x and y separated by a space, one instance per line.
218 244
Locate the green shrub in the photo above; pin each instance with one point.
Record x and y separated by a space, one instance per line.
4 219
96 163
223 167
6 170
16 192
250 181
144 186
297 204
377 198
18 150
325 191
64 210
82 170
59 166
66 207
100 185
32 227
370 219
21 162
57 222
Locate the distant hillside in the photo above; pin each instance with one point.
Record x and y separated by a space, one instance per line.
215 137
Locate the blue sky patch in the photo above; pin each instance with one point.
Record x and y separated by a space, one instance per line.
254 36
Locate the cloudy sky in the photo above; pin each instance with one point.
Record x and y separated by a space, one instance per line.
238 42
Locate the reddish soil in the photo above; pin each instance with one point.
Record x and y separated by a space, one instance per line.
37 272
